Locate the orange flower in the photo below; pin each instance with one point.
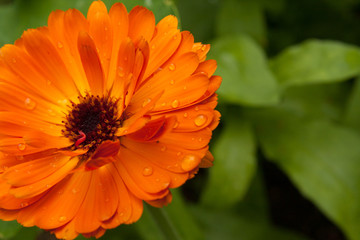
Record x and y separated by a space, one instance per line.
99 114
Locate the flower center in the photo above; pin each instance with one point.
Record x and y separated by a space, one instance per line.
90 122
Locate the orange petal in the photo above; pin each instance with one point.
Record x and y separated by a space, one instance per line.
164 44
103 155
64 28
208 67
207 161
86 219
192 118
141 24
61 203
91 63
100 30
170 80
30 172
188 140
153 130
30 78
120 25
166 156
44 184
46 58
161 202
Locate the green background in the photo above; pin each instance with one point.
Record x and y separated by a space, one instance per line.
290 104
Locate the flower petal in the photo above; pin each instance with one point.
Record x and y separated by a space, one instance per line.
91 63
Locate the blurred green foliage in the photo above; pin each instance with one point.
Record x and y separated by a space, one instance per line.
290 95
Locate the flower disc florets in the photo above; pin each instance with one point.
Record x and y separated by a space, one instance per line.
90 122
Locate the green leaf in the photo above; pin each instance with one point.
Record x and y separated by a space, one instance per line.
198 17
352 113
247 79
182 218
321 158
242 17
316 61
325 101
9 229
27 233
220 224
235 163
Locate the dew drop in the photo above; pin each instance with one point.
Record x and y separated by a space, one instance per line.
196 108
21 146
62 218
172 67
146 101
24 204
185 87
29 104
178 154
200 120
51 112
189 162
121 72
74 191
60 45
153 47
200 139
47 185
185 115
175 103
163 148
147 171
172 81
176 124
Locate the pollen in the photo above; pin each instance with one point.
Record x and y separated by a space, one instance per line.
91 121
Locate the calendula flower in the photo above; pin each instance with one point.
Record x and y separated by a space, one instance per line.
99 114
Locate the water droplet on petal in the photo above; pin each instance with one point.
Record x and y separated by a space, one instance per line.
163 148
175 103
176 124
189 162
147 171
47 185
60 45
200 139
24 204
146 101
51 112
121 72
74 190
62 218
172 67
29 104
196 108
178 154
153 47
21 146
172 81
200 120
185 115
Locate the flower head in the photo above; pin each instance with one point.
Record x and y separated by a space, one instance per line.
99 114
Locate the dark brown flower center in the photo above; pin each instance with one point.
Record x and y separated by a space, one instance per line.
90 122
